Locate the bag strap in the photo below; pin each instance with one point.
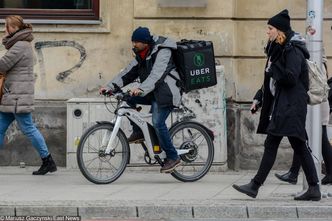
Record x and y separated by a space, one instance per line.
172 76
178 82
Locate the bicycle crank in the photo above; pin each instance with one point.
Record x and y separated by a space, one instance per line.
148 159
192 155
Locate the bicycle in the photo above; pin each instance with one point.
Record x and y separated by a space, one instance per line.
103 151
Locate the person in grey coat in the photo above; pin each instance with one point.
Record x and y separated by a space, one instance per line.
153 65
17 101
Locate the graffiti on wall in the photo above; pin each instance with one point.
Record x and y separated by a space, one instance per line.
62 76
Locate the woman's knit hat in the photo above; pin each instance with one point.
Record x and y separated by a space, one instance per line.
281 21
142 34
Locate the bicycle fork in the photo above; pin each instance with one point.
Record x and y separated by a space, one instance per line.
110 141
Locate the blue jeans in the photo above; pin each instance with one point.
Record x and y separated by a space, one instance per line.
27 126
159 116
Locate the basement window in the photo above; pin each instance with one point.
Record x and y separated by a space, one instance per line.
51 9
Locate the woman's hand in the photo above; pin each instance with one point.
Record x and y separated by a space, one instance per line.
254 107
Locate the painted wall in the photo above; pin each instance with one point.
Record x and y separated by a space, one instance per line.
75 60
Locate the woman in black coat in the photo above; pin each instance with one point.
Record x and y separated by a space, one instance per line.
283 98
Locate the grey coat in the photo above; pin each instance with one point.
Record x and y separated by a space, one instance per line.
17 64
154 73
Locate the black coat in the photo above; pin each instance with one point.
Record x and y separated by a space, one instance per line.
285 113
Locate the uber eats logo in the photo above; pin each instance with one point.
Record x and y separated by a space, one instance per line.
199 59
201 73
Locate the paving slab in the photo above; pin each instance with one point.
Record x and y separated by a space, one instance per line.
274 212
46 211
102 212
235 211
314 212
7 211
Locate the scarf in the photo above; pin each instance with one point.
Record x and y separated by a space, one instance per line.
273 50
144 53
21 35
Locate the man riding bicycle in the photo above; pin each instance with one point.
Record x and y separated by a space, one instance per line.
153 65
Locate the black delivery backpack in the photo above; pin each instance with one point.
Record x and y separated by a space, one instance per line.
195 62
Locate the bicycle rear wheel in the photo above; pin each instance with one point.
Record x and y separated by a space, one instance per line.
196 163
95 165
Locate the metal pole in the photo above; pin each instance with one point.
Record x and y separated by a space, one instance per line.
314 36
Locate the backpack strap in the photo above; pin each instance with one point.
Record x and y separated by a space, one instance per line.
172 76
179 83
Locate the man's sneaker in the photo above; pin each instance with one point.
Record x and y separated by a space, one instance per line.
136 137
170 165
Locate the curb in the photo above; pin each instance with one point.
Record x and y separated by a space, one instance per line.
174 211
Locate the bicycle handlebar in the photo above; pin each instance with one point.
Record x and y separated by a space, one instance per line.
124 96
118 94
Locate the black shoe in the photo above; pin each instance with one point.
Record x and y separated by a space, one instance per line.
170 165
312 194
136 137
251 189
47 166
288 177
327 180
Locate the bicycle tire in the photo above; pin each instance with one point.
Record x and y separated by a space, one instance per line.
90 147
191 162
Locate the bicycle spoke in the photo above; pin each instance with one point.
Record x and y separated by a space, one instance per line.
112 166
89 147
91 160
182 168
98 171
197 137
199 156
198 144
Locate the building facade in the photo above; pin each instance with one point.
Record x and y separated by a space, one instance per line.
75 57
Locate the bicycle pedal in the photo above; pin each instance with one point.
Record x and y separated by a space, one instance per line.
168 172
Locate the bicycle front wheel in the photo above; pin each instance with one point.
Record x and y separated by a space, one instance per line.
197 162
97 166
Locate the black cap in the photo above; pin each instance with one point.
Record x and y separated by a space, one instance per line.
281 21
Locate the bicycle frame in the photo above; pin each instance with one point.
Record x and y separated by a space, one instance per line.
140 119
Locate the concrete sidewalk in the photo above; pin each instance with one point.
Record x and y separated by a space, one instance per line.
151 195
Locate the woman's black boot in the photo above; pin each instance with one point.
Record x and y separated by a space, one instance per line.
288 177
251 189
327 179
312 194
47 166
